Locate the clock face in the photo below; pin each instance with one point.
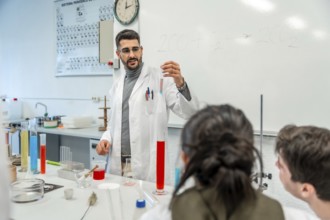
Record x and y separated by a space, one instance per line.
126 11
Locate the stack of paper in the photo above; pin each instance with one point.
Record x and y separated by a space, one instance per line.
77 121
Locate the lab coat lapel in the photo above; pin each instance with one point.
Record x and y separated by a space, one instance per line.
116 126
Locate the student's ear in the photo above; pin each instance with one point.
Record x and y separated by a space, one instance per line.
307 191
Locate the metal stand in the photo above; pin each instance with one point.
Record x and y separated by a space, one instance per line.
105 115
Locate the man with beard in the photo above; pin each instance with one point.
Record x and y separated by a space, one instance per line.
140 100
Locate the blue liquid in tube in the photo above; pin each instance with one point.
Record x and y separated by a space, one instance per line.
34 153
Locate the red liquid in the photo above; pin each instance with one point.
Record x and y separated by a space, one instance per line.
160 165
42 159
99 174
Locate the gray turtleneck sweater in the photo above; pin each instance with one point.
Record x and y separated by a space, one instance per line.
130 80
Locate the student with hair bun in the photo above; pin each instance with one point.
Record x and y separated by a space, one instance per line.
219 155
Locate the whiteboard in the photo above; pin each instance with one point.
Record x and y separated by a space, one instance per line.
233 51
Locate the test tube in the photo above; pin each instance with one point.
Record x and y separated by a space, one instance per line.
33 147
160 173
160 168
42 153
24 146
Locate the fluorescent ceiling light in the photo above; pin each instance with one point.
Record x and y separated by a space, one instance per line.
319 34
260 5
296 23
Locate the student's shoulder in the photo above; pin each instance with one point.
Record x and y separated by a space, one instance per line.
291 213
266 201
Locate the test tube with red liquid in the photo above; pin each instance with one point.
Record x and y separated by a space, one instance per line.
42 153
160 168
160 125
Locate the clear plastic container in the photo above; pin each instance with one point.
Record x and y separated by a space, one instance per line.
83 181
27 190
72 165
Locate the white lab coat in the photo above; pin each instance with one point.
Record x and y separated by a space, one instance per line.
148 119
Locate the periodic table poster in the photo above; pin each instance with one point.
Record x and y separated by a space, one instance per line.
77 26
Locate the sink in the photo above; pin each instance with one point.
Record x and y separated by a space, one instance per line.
50 124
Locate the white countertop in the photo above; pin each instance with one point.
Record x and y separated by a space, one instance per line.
114 204
91 132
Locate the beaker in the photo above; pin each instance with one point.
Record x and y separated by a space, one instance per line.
99 172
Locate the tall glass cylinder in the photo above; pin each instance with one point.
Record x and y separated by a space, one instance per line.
160 167
42 153
33 146
160 128
24 146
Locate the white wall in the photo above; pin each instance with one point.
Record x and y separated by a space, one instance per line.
28 58
27 71
233 51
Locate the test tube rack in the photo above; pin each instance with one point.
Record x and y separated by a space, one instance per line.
69 168
105 115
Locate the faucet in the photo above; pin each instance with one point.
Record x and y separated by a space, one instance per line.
45 106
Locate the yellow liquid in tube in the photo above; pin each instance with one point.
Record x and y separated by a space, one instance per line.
24 149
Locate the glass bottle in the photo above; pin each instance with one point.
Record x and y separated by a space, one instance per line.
140 208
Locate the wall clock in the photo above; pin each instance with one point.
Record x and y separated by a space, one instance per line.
126 11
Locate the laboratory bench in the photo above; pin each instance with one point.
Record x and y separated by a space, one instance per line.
114 200
91 132
82 143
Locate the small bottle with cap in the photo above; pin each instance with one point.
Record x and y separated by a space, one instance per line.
140 209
